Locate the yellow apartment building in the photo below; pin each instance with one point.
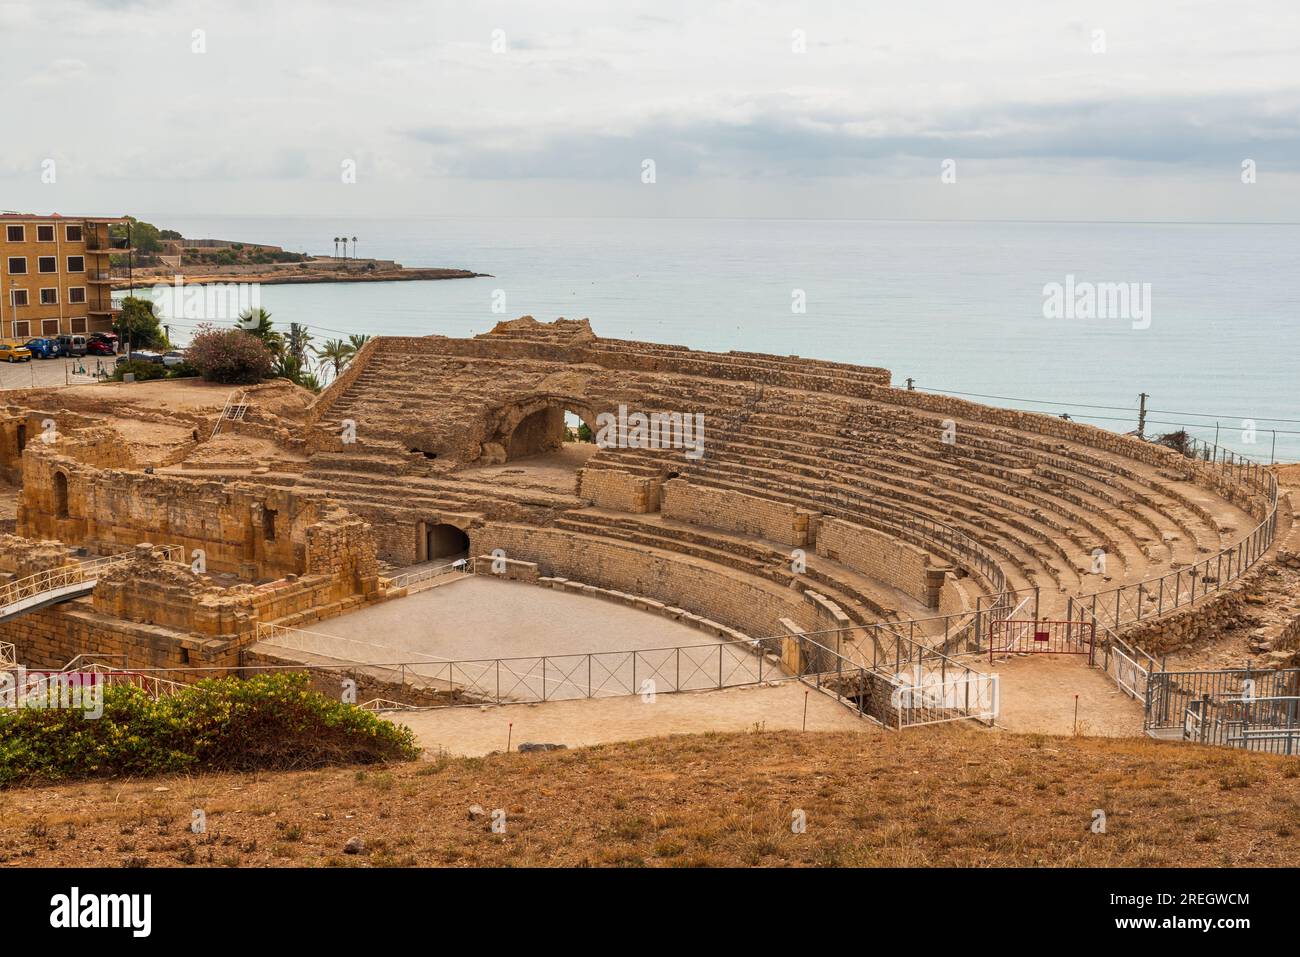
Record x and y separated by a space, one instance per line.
54 274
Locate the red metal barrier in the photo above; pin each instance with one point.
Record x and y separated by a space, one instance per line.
1020 637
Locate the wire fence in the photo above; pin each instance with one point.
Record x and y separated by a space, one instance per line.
533 679
1257 710
927 687
1156 597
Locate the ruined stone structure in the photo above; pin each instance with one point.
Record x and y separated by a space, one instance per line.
761 495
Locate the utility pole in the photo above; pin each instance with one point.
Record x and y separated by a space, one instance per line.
1142 415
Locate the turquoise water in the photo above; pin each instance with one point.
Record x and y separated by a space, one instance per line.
956 306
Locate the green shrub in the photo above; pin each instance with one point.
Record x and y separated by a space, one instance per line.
144 371
182 370
268 722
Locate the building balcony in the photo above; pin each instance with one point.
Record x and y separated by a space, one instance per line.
111 247
102 310
99 277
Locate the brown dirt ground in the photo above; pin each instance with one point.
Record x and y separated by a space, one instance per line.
940 796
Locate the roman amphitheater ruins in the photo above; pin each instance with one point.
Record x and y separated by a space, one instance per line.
435 528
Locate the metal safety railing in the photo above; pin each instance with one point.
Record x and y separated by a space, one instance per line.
533 679
926 687
65 578
1156 597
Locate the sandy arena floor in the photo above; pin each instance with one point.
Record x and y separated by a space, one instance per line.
1037 694
471 732
483 617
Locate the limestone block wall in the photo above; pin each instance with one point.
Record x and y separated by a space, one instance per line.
879 556
747 606
53 636
738 512
619 490
248 530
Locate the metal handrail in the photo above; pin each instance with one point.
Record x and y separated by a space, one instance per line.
66 576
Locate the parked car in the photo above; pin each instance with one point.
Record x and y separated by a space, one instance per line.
42 348
72 345
141 355
13 352
109 337
100 347
173 358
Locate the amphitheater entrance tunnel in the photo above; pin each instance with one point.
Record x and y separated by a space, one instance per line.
441 541
548 429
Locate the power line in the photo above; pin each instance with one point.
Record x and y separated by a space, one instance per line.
1114 408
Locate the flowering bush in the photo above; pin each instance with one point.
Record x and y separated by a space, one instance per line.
271 722
231 356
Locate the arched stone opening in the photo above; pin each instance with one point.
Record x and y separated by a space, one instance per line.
441 541
60 495
537 433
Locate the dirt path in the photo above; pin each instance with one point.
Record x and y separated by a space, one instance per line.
1038 695
470 732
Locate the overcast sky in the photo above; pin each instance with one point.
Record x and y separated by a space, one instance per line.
739 121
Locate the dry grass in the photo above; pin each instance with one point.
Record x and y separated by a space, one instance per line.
944 796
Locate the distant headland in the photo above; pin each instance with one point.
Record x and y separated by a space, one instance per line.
163 255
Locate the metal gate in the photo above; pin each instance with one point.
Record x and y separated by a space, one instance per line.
1023 637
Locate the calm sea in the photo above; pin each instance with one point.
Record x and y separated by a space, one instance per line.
956 306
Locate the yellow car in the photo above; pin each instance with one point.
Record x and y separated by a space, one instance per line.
13 352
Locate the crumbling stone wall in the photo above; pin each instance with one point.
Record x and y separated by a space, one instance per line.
255 532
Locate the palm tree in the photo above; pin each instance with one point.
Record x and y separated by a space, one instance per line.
291 368
257 322
354 247
336 353
297 340
358 341
336 247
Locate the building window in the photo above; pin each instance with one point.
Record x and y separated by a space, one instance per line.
16 234
74 234
49 327
49 297
76 264
17 265
77 295
18 297
47 263
45 234
79 324
22 330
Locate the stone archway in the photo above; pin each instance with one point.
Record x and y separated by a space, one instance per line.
60 495
436 541
535 427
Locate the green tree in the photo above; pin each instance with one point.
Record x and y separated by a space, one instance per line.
296 371
297 341
336 354
146 238
257 323
138 325
359 341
